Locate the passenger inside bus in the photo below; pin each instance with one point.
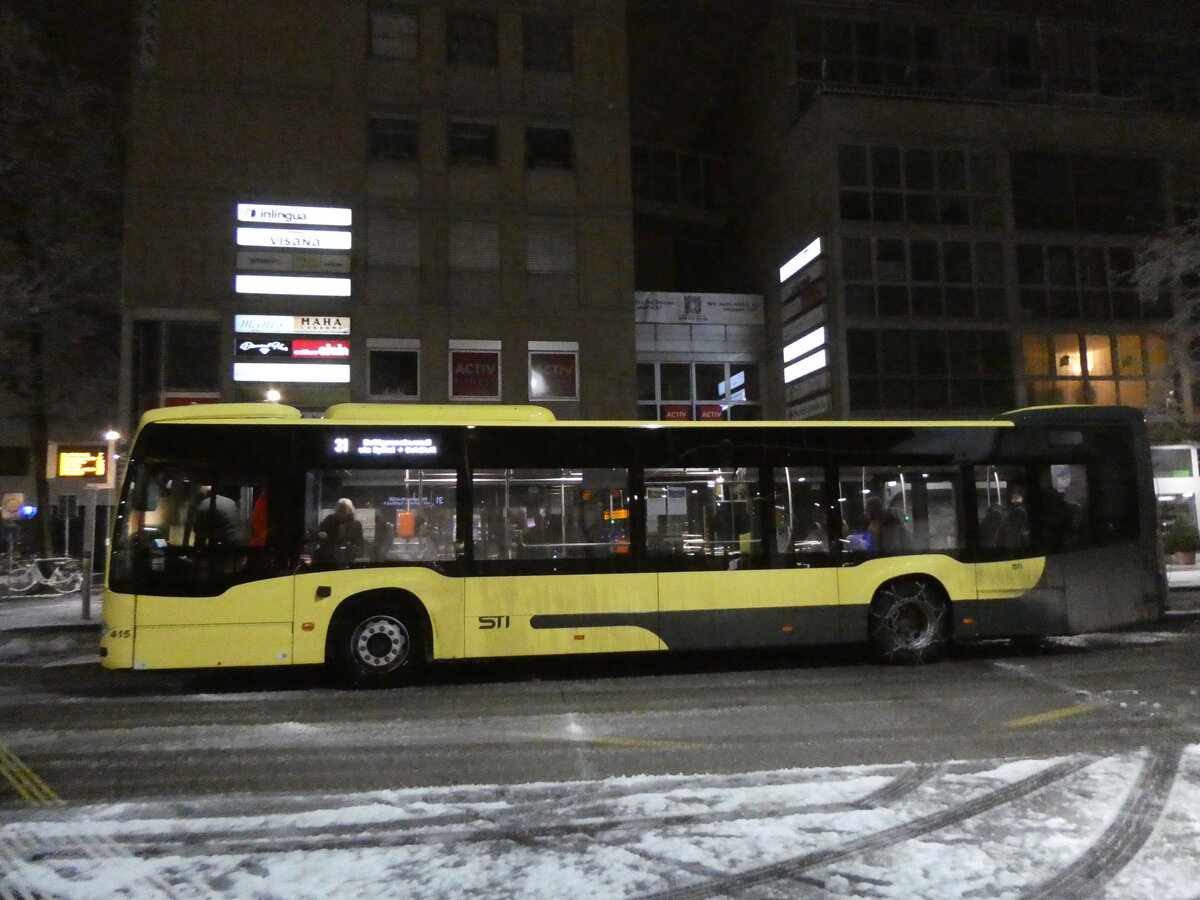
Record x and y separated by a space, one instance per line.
339 537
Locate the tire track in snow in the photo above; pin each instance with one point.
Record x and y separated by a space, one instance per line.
587 817
793 869
1122 839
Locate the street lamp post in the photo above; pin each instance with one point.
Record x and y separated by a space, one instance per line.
89 522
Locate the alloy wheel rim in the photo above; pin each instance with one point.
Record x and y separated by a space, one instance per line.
380 642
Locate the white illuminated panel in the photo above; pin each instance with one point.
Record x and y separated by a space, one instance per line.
293 239
806 366
295 285
805 344
305 373
800 260
256 324
270 214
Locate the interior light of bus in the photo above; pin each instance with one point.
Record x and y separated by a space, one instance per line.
968 621
787 627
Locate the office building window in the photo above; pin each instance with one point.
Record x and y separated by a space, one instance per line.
550 248
676 179
911 371
1065 281
393 369
898 277
475 245
699 391
1104 369
475 370
1096 194
393 242
395 33
920 186
547 44
553 370
171 357
1185 190
392 138
472 143
471 39
548 148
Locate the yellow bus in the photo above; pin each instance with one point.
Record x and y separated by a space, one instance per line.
378 538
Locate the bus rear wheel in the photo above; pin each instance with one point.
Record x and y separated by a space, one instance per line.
376 646
909 622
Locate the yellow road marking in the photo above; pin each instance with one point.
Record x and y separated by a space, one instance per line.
25 781
1052 716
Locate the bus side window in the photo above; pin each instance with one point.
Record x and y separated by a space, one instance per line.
1058 507
387 517
572 513
800 519
899 510
708 514
1000 504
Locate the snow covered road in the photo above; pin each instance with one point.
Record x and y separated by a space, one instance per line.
1120 826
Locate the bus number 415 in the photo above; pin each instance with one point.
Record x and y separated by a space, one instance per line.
487 623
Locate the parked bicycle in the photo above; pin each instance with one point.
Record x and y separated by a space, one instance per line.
55 575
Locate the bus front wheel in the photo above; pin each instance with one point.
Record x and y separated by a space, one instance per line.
909 621
377 645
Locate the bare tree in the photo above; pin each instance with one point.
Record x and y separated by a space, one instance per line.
1168 274
58 247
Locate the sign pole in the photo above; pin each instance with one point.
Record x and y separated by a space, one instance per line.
89 544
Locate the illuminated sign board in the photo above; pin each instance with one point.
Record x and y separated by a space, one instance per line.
804 345
323 349
293 239
475 373
262 348
553 376
82 462
269 213
262 324
800 260
293 261
299 373
292 285
806 366
384 446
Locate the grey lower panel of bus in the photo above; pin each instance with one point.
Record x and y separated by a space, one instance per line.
1082 591
790 626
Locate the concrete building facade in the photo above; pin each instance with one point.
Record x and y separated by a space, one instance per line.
765 209
482 152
